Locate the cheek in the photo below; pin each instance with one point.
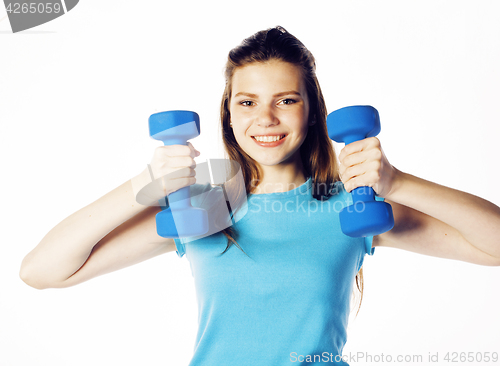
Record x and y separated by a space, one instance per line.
239 134
302 125
235 116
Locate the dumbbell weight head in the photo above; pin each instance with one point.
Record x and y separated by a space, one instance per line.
174 127
353 123
366 217
181 222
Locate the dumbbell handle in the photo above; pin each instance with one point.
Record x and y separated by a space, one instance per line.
179 199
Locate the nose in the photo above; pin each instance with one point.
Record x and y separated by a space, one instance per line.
267 117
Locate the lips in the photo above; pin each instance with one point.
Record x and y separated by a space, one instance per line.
268 138
269 143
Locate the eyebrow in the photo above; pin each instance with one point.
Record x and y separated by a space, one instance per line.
250 95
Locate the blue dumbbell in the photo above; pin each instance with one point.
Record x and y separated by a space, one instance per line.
180 219
365 217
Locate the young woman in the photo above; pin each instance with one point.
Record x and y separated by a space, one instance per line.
281 294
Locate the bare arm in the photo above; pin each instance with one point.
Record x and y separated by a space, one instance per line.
429 218
113 232
130 243
103 235
443 222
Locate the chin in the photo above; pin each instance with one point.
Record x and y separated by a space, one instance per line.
272 158
274 161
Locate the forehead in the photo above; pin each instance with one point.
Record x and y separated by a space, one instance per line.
268 78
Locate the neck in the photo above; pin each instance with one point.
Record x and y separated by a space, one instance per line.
280 178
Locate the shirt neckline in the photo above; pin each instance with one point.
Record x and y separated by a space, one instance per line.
302 189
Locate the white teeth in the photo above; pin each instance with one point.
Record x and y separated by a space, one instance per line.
268 138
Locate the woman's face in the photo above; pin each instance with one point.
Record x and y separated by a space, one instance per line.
269 101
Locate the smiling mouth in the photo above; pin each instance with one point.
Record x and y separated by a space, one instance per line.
269 138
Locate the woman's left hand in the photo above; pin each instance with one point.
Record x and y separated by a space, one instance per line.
363 163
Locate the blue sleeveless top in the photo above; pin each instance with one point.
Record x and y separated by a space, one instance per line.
287 300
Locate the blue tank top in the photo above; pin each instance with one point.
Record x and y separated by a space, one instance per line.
287 300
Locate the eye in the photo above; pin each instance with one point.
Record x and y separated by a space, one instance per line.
288 101
247 103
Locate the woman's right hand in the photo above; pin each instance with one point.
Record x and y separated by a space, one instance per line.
172 168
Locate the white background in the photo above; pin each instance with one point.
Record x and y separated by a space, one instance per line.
75 96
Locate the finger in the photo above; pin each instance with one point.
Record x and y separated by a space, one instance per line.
180 162
358 146
178 174
363 180
175 184
341 172
351 148
369 169
183 182
353 183
351 173
355 146
175 150
195 152
361 157
342 169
